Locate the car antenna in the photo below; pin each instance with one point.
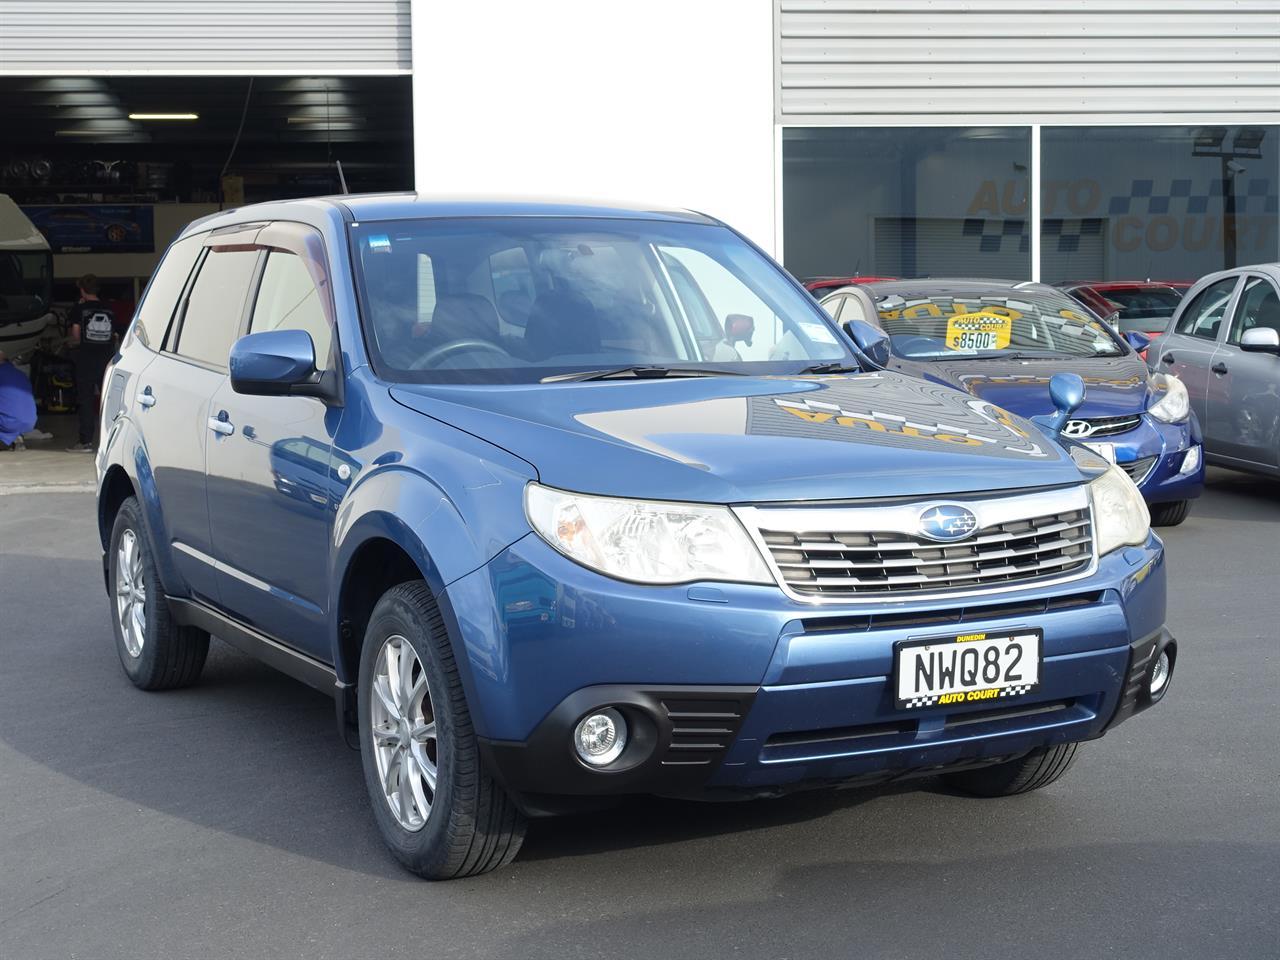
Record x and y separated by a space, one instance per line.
342 181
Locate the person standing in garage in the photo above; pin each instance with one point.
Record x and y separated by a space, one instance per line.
92 338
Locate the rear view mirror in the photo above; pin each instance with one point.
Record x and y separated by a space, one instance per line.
1139 341
871 340
1066 390
278 363
1261 340
739 327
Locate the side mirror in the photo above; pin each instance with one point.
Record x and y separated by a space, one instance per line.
871 340
1066 390
1261 340
278 363
739 326
1138 340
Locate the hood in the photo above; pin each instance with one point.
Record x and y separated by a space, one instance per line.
754 439
1114 386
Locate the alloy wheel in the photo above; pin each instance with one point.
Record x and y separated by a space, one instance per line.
131 593
403 729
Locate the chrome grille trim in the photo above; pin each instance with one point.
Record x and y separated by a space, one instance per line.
850 554
1139 470
1108 426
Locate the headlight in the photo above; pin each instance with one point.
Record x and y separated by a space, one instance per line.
1175 405
647 541
1120 516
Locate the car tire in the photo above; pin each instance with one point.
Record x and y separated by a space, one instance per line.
156 652
1169 514
1037 769
416 738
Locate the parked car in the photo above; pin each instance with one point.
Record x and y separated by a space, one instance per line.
26 282
1224 344
817 285
1001 342
1130 305
593 554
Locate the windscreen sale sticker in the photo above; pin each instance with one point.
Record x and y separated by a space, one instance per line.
978 331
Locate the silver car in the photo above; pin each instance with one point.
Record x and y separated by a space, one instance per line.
1224 344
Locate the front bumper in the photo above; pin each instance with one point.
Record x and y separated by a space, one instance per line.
734 690
1164 447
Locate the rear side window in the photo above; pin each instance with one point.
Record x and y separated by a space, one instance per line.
1203 316
288 300
1259 307
215 306
164 290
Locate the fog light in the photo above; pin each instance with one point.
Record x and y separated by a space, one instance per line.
600 737
1159 675
1191 462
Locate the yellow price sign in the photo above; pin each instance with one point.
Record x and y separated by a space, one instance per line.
979 331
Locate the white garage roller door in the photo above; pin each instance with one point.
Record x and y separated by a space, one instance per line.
263 37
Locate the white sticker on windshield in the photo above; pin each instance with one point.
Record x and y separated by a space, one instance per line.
817 332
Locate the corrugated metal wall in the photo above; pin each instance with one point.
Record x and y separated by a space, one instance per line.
293 37
1048 61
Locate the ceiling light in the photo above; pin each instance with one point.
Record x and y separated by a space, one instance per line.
164 116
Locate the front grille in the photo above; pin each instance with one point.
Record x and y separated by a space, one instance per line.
701 729
1110 426
867 563
1138 469
952 615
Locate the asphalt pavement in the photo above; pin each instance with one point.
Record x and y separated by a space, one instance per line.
227 820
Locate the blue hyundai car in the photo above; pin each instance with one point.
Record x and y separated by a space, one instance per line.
562 503
1002 341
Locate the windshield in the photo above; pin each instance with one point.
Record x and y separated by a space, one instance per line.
1139 306
26 281
521 299
955 327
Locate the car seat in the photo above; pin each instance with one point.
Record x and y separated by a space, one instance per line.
561 323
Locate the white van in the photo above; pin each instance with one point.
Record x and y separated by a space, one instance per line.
26 282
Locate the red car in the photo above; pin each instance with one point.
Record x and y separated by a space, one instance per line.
1144 306
815 284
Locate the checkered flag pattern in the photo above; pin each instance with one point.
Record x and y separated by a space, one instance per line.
993 234
1066 234
921 702
1255 195
1017 691
1258 195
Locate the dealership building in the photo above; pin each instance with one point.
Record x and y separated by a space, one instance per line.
1026 139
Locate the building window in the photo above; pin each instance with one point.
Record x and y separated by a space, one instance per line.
903 202
1167 203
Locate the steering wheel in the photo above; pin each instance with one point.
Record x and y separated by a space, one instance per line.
433 356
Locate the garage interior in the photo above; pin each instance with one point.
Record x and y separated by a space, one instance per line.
111 168
187 146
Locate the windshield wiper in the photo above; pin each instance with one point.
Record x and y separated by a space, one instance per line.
639 372
1011 355
833 366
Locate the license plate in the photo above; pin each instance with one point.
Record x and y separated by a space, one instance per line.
1107 451
966 668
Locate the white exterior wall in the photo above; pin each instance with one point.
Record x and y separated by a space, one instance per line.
665 101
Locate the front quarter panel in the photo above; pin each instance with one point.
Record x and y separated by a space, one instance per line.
451 501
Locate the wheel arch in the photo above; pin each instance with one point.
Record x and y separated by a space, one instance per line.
382 560
128 473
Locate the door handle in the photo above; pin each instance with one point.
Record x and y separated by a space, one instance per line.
221 425
1167 358
1219 367
146 398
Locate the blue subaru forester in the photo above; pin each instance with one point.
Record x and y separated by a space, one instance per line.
567 502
